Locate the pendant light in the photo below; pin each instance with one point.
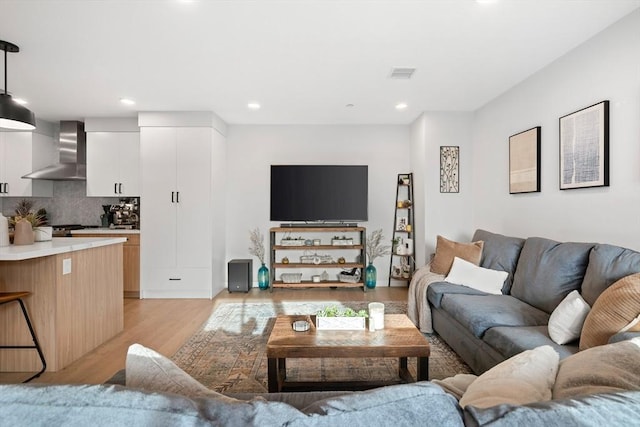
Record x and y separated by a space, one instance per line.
13 115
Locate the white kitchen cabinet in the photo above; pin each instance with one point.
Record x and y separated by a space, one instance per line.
113 164
22 153
176 224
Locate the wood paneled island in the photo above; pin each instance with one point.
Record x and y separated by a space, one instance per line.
76 302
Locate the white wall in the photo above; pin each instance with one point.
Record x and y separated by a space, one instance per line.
251 150
605 67
447 214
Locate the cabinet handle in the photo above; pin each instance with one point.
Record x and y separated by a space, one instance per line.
172 200
6 188
177 197
115 188
120 188
174 278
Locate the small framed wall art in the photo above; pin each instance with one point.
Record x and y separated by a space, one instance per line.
449 169
524 161
584 148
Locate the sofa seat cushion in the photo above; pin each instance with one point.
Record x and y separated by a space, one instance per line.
511 340
548 271
478 313
437 290
500 253
607 265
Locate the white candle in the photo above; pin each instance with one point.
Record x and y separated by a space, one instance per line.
376 315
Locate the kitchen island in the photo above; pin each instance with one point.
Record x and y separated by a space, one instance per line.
76 302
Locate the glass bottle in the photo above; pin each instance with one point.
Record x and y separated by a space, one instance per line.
263 277
370 276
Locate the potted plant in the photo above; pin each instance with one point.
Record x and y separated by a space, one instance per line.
37 221
335 318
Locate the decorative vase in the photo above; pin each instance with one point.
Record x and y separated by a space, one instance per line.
370 276
263 277
23 233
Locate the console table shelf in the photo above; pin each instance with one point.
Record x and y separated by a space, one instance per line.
355 256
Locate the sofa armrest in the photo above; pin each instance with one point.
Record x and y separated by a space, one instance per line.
623 336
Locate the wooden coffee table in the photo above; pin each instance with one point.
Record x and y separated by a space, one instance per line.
400 338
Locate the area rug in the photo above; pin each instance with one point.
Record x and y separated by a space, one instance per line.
228 353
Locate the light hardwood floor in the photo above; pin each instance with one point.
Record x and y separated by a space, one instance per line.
165 324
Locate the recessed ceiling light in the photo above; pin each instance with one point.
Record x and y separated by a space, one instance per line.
253 106
401 106
20 101
127 101
349 105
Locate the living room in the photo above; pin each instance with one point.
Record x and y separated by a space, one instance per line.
603 67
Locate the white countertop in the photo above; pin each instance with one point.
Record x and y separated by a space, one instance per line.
104 231
58 245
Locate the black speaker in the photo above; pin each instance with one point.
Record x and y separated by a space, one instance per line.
239 275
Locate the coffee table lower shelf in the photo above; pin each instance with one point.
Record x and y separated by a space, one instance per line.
277 378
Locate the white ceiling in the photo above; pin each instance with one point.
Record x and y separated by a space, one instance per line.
302 60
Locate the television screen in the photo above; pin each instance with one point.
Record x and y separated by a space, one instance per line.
319 193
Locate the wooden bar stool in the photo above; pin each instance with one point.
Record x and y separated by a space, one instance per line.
7 297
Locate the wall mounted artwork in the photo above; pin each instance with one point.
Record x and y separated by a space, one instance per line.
449 169
524 161
584 148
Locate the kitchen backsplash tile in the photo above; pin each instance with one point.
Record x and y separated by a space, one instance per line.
69 204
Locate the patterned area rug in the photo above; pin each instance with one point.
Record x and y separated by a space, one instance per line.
228 353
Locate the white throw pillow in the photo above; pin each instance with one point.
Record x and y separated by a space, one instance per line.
483 279
148 370
524 378
565 323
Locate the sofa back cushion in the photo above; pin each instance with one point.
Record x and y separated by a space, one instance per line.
607 265
548 271
500 253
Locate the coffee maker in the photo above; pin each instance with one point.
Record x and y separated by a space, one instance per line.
124 215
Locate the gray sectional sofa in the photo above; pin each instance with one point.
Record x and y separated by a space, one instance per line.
485 329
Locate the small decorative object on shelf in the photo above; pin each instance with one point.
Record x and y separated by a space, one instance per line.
334 318
290 241
375 249
291 277
257 249
285 260
342 241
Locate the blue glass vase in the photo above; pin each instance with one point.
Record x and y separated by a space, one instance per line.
263 277
370 276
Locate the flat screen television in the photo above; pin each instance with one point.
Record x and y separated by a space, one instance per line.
319 193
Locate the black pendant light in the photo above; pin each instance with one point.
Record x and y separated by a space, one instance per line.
13 115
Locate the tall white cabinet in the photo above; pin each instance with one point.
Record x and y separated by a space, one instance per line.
22 153
177 213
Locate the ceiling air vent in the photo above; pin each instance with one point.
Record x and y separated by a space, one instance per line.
402 72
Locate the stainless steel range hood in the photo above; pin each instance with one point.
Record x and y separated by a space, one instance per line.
73 155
